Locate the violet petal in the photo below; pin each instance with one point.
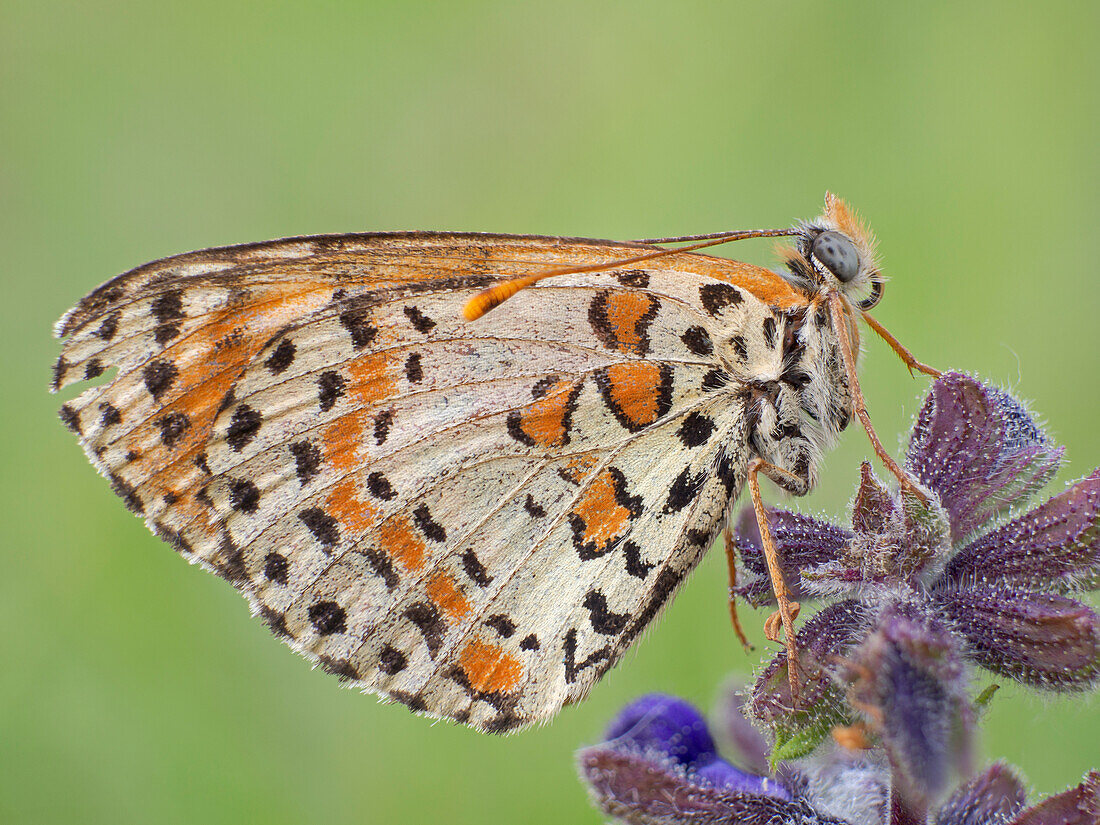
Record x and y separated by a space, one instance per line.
802 542
665 724
1055 546
634 788
911 681
673 732
989 799
724 776
874 508
1077 806
751 746
979 450
1041 639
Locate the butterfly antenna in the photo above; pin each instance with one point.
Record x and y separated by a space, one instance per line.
496 295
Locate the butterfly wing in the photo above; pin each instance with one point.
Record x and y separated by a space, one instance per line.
473 518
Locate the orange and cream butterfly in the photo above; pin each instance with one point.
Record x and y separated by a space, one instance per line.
474 513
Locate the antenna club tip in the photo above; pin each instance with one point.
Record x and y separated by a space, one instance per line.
474 308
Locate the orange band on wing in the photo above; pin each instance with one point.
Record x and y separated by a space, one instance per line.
546 422
637 391
445 592
400 540
599 517
489 668
354 515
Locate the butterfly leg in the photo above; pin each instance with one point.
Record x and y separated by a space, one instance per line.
727 537
859 407
900 350
788 607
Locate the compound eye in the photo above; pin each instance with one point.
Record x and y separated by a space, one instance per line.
838 254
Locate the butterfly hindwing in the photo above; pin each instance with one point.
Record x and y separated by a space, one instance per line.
474 518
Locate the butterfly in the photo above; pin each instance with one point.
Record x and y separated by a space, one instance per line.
471 512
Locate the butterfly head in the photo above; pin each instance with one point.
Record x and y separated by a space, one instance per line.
836 252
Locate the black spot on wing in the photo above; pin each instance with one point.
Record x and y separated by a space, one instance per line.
244 496
501 624
242 427
168 307
413 701
168 312
428 526
276 568
414 369
421 322
392 661
379 487
275 620
93 369
110 415
165 333
382 566
327 617
634 564
715 380
229 562
603 620
683 491
70 417
382 423
307 460
172 427
475 569
427 618
282 357
342 669
697 340
330 387
730 474
633 277
127 493
60 368
357 322
695 430
108 328
716 297
323 526
159 377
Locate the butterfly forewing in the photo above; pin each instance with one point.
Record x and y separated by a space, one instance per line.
475 518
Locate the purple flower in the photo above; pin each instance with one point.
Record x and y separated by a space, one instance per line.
997 797
659 766
917 591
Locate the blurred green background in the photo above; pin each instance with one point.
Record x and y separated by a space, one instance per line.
134 688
